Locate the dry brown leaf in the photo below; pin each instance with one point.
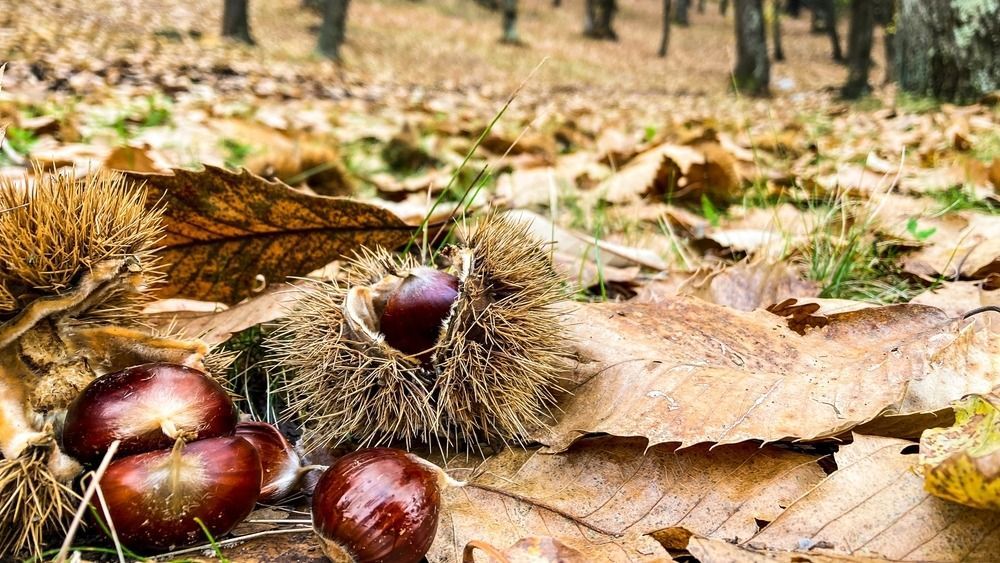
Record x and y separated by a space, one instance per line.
971 253
957 298
685 371
618 488
718 551
217 326
225 231
135 159
875 505
749 286
656 171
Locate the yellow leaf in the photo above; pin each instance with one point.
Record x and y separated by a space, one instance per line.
961 463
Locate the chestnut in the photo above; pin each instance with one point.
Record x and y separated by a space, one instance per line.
154 498
416 310
377 505
147 407
283 469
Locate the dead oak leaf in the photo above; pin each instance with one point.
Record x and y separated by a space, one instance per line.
875 505
719 551
226 230
687 372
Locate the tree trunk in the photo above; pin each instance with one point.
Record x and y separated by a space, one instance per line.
859 50
885 16
599 19
948 48
556 3
723 7
236 20
701 6
793 8
779 54
681 15
333 32
665 36
752 72
509 8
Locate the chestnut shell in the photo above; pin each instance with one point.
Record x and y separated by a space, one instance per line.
282 466
131 405
153 500
378 505
416 310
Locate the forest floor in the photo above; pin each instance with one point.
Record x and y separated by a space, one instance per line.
652 176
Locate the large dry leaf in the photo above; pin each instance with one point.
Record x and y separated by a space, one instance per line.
875 505
685 371
718 551
958 298
961 463
619 488
225 231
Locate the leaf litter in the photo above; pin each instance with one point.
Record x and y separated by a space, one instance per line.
729 410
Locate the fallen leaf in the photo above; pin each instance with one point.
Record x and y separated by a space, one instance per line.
687 372
957 298
874 505
216 326
620 488
226 230
748 286
962 463
971 253
718 551
134 159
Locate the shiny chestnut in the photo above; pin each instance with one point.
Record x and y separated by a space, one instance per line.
283 469
416 310
377 505
153 498
147 407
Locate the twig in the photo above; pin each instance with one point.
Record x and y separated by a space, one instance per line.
85 502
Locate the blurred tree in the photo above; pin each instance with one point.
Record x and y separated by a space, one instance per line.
236 21
701 6
859 49
948 48
885 16
665 35
793 8
824 20
333 31
314 5
751 74
681 13
779 54
723 7
599 16
509 22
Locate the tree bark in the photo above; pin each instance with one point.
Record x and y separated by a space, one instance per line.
948 48
333 31
779 53
236 20
751 74
599 19
825 20
665 35
682 13
509 9
859 50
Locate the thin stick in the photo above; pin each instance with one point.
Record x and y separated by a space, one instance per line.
234 540
111 524
85 502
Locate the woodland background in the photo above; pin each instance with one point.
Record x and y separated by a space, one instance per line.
787 244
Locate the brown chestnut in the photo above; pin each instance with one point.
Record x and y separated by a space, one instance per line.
283 469
147 407
377 505
153 498
416 310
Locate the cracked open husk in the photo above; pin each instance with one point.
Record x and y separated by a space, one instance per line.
492 372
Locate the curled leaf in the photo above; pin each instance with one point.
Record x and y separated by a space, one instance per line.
961 463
